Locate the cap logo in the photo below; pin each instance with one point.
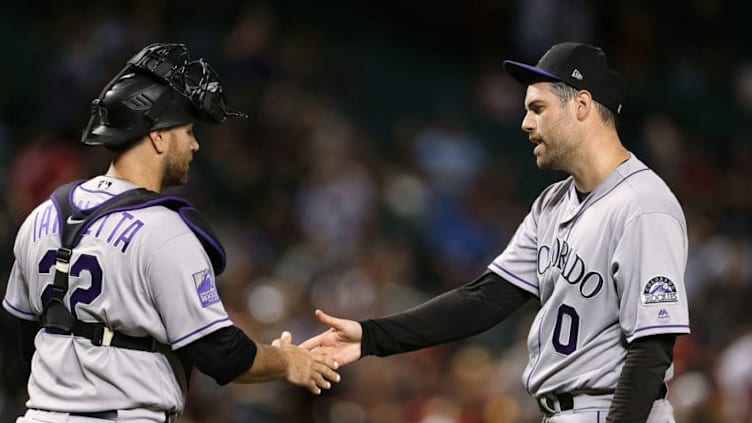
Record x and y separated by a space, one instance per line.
577 75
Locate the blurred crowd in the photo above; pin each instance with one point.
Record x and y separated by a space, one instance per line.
383 163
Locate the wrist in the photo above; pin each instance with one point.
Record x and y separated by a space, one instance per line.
283 359
366 339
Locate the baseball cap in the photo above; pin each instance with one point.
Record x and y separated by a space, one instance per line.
578 65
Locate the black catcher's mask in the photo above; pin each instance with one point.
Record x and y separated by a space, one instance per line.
158 88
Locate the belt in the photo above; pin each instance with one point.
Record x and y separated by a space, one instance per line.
103 415
106 415
556 403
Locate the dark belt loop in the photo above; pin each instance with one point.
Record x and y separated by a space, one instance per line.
546 406
97 335
662 392
566 401
556 403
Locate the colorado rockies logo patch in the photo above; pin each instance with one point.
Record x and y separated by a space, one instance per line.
658 290
207 290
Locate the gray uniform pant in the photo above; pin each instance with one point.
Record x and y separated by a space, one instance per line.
662 412
129 416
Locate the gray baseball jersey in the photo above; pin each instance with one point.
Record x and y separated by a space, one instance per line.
607 271
141 272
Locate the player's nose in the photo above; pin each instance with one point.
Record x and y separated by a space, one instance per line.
528 123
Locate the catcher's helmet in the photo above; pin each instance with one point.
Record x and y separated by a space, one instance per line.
158 88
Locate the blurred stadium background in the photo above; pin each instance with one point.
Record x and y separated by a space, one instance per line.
383 163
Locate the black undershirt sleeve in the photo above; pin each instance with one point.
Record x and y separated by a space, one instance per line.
456 314
224 354
27 331
641 379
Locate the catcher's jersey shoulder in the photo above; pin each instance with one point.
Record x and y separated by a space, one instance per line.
121 230
142 272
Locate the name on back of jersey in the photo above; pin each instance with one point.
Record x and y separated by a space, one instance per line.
117 229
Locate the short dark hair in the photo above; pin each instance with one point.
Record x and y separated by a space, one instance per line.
565 92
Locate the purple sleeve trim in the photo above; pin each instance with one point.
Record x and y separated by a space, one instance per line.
199 330
7 303
656 327
515 277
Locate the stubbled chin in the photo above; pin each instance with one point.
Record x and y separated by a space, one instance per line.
538 149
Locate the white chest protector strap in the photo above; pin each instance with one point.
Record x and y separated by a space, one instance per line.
56 318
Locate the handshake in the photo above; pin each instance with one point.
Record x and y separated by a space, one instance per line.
311 364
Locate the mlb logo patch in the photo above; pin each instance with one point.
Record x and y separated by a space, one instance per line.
206 288
659 290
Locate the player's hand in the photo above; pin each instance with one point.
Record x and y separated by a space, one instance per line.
341 342
305 368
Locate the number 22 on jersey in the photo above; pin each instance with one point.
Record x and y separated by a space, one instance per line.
84 262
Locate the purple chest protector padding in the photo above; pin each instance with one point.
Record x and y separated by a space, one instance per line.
75 222
139 198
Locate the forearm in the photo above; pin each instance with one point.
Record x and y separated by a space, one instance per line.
456 314
641 378
226 354
270 364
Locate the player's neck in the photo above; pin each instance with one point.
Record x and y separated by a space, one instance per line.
137 169
134 176
597 162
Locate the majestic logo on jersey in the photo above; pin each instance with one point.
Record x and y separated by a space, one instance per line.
572 267
663 314
207 290
658 290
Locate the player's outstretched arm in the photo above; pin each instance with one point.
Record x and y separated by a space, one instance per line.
298 366
453 315
342 342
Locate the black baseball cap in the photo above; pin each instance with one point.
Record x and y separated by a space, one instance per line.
578 65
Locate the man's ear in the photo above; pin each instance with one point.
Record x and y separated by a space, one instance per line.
583 103
158 141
